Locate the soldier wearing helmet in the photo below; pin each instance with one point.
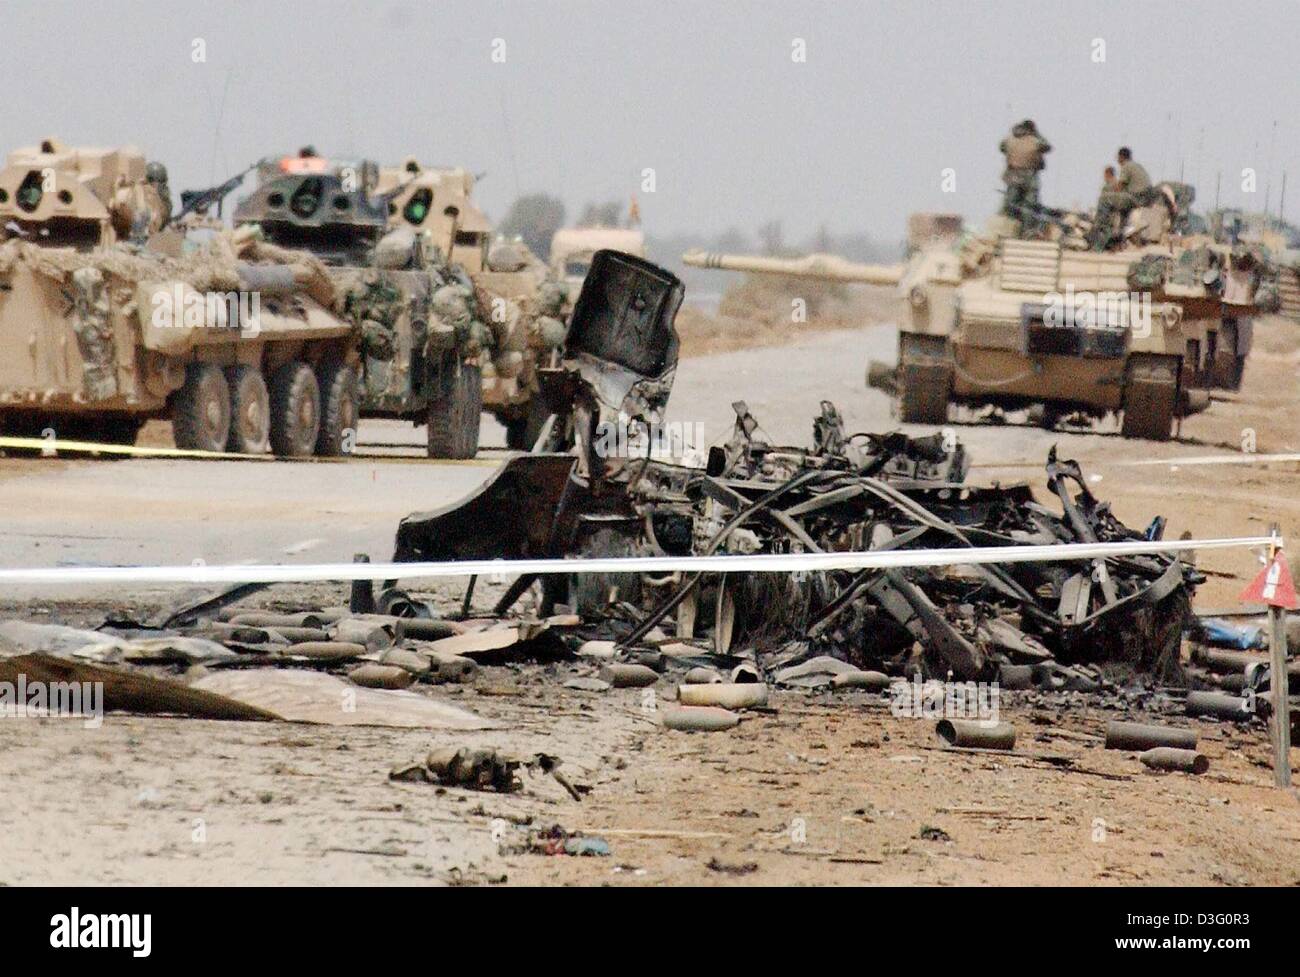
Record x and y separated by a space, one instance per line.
1024 150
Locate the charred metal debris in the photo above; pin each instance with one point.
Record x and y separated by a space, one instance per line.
848 492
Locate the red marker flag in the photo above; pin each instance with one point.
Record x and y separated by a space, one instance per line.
1273 586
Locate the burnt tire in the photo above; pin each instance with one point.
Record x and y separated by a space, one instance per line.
455 412
201 409
295 410
250 411
924 380
340 409
1150 398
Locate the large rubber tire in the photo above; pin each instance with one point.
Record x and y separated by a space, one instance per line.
924 380
295 411
522 432
1150 398
455 413
250 411
201 409
340 409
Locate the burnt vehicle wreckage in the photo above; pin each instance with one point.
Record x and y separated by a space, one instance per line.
1024 623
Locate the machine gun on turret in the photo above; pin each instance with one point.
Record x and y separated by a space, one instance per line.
198 201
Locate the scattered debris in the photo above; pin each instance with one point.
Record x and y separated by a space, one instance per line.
1171 758
716 864
555 840
728 695
977 734
846 492
1140 736
931 833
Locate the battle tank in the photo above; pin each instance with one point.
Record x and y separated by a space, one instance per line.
523 302
106 323
993 319
422 343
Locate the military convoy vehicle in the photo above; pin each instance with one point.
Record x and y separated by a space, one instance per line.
422 341
523 303
572 250
101 331
59 196
996 320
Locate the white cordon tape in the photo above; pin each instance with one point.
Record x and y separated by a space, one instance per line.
755 563
1244 458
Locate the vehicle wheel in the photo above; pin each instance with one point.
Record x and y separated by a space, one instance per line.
340 409
522 432
250 411
1150 399
454 414
924 380
201 409
295 410
516 439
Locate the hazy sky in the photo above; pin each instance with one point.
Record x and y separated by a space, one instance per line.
707 94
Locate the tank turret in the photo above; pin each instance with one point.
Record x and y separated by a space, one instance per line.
327 207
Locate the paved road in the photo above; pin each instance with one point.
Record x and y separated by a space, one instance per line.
152 511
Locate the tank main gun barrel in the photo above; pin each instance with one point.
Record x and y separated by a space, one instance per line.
823 267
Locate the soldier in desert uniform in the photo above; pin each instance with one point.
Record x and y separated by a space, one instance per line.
1024 150
1131 188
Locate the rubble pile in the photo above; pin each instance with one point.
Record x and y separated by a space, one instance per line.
1032 622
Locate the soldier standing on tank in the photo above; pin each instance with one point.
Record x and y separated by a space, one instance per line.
1132 188
155 174
1024 150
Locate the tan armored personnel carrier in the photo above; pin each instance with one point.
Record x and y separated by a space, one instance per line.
58 196
994 320
523 302
99 332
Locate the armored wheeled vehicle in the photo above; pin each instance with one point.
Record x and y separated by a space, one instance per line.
523 303
422 343
76 197
105 322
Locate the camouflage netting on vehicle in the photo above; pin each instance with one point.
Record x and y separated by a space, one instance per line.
375 304
1150 272
309 271
94 332
214 270
1193 266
